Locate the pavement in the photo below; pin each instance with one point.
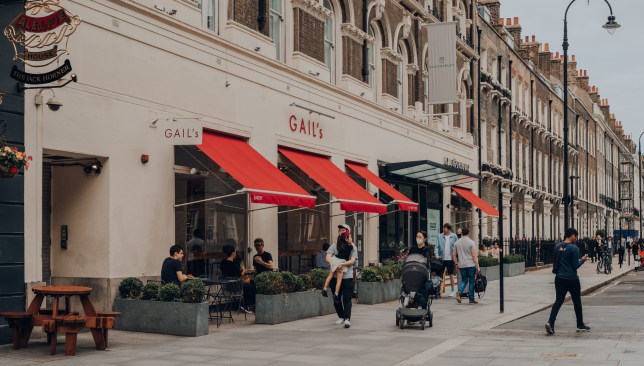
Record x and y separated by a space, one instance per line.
462 334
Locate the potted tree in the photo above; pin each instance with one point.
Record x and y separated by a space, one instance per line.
513 265
167 309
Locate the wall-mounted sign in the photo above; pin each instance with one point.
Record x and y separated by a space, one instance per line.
305 126
180 132
43 31
456 164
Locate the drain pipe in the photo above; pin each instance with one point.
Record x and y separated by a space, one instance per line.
365 63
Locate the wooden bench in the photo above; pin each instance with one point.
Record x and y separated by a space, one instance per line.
113 314
20 324
68 324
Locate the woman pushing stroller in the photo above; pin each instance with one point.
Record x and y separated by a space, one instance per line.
426 251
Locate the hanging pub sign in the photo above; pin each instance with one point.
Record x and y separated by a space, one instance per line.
40 36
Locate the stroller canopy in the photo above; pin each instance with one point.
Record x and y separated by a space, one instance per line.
415 273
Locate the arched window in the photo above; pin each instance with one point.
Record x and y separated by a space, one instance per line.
275 28
401 79
329 35
371 57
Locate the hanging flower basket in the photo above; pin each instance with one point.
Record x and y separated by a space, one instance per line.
12 160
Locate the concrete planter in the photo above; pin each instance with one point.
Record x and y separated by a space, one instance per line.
491 273
513 269
275 309
176 318
376 292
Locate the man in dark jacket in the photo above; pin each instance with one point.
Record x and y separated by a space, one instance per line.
567 280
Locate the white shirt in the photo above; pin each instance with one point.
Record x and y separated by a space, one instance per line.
448 252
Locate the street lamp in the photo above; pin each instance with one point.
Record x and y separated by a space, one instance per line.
639 180
572 201
611 25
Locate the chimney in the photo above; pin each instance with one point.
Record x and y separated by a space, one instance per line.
572 71
514 28
532 49
544 59
555 67
605 108
594 94
582 79
494 6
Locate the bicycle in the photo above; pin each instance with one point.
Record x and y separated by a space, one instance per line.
605 263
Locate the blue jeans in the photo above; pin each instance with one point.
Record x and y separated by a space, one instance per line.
467 276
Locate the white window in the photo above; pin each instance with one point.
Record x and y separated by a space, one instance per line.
275 30
328 38
371 54
209 14
401 75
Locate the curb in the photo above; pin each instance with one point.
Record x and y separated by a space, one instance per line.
587 291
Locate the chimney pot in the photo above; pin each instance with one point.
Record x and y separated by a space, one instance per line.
557 55
534 38
516 20
573 58
527 39
508 21
546 47
585 72
501 21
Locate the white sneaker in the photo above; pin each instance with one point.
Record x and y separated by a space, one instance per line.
339 321
451 293
347 323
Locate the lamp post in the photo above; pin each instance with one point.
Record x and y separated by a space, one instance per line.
611 25
572 200
639 180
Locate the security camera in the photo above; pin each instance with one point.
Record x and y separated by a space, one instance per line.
54 104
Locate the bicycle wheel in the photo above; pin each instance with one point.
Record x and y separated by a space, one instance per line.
600 266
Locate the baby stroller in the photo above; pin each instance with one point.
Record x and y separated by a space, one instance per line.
415 299
641 264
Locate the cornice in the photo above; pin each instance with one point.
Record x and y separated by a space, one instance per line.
355 33
314 8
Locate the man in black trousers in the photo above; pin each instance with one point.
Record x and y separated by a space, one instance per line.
566 263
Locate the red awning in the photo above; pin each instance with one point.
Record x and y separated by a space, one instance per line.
403 202
352 197
476 201
264 182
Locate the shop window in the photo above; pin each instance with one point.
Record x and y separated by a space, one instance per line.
275 28
204 227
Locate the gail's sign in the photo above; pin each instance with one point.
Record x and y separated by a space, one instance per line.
43 32
305 126
180 132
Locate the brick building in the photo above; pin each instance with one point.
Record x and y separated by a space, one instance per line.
522 144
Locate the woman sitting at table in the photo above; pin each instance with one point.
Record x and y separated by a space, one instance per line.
233 267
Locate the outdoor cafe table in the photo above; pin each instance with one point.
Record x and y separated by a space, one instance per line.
220 292
62 321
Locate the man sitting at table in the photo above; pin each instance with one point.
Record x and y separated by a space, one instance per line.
263 260
171 268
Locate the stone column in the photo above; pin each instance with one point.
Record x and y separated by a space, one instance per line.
529 209
547 213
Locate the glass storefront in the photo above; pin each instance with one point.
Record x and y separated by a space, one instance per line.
203 228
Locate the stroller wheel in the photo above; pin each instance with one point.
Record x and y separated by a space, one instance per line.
397 317
431 319
402 323
422 324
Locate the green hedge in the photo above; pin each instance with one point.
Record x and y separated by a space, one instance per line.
488 262
130 288
386 272
191 291
513 258
274 283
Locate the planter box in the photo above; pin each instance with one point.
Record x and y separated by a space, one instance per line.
176 318
376 292
275 309
513 269
492 273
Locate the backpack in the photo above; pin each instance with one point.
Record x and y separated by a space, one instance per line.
557 257
480 284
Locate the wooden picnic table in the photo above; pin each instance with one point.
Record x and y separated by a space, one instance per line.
56 320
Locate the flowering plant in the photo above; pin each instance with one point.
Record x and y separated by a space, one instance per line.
12 160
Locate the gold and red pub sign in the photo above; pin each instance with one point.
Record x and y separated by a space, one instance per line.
40 36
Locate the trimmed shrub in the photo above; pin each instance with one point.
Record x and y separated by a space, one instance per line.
386 273
130 288
371 274
150 291
513 258
396 269
270 283
316 278
289 281
193 291
170 292
488 262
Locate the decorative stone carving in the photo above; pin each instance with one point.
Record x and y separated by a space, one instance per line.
353 32
380 9
314 8
406 28
412 69
391 55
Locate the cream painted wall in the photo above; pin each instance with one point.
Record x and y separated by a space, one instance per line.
137 69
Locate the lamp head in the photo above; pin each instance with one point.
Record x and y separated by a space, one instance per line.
54 103
611 25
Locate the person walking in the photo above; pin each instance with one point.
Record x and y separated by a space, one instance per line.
567 262
635 249
445 246
466 260
342 303
620 251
